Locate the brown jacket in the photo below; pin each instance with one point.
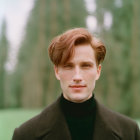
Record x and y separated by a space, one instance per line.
51 125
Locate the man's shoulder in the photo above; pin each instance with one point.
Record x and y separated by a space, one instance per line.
113 116
116 122
43 121
44 114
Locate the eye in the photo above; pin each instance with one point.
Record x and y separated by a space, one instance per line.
68 66
86 65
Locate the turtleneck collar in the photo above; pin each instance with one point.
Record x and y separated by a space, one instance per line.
73 109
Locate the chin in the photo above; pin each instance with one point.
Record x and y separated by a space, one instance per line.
78 98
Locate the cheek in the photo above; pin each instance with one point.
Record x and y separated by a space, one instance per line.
90 76
65 81
90 80
64 77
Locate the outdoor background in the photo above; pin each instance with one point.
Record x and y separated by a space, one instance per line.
27 81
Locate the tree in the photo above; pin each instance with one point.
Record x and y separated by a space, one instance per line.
3 58
119 85
134 58
36 80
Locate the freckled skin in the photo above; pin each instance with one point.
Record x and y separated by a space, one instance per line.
78 76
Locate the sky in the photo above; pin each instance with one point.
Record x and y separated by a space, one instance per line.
16 13
91 20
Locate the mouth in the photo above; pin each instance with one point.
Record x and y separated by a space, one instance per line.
77 86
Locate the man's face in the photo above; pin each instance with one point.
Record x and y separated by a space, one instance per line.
78 76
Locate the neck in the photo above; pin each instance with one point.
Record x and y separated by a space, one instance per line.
78 101
78 109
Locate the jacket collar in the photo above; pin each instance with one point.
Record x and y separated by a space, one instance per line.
52 124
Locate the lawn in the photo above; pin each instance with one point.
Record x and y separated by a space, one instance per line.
10 119
138 121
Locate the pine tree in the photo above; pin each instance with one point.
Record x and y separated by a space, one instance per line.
3 58
36 81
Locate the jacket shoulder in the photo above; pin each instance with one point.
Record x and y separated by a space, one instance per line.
119 124
116 117
30 128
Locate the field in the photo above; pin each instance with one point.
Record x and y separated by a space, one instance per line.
10 119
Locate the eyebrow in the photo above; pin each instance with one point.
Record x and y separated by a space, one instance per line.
83 62
87 62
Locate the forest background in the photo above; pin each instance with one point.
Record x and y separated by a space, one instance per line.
32 84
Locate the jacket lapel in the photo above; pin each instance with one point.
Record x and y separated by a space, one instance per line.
104 128
59 130
52 124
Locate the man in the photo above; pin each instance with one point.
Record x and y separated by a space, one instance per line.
77 115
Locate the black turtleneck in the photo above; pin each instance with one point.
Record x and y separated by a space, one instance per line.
80 118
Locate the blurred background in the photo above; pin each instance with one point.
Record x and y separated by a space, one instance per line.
27 81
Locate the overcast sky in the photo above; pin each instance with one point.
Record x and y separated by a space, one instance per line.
15 12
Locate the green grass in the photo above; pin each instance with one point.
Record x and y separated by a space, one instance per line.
12 118
138 121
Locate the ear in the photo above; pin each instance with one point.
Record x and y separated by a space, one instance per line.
56 70
98 72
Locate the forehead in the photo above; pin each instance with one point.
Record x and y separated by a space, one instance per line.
83 52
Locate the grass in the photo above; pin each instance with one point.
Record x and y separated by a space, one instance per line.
12 118
138 121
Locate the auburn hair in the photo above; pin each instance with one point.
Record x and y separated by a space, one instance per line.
62 47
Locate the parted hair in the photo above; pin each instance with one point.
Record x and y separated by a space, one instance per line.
61 48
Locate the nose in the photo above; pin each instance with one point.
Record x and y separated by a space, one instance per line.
77 75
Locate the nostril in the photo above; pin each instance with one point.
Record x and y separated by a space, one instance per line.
77 80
